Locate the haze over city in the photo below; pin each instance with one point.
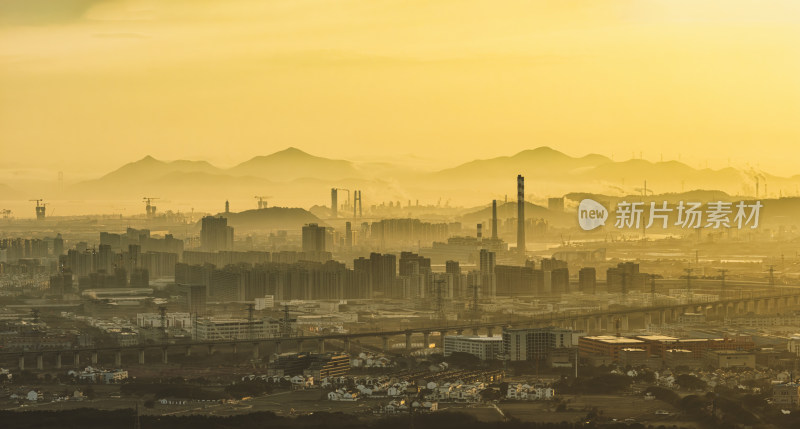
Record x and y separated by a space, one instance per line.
382 214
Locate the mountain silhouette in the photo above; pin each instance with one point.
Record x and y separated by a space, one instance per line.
297 177
293 163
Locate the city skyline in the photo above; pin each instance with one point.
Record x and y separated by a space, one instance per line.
375 214
294 178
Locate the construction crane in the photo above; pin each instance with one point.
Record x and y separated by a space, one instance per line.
150 209
262 203
40 209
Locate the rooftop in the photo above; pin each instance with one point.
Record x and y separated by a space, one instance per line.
476 337
656 338
611 339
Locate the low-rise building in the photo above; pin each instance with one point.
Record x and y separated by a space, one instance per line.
212 328
786 394
536 343
485 348
265 303
794 344
634 357
609 345
342 395
731 359
526 392
170 320
328 366
674 358
97 375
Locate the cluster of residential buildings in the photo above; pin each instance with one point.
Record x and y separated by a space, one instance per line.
526 392
99 375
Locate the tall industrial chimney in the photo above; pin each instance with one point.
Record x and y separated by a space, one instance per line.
521 214
494 219
334 203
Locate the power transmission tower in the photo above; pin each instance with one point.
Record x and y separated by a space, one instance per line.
688 283
624 287
250 309
439 298
137 424
163 311
475 286
772 277
652 289
285 328
722 273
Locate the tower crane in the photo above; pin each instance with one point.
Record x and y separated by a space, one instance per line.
41 208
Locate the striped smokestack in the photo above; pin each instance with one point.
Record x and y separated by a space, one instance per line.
521 214
494 219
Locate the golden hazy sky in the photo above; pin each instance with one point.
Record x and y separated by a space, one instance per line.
88 85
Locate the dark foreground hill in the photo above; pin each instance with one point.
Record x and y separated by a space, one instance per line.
95 419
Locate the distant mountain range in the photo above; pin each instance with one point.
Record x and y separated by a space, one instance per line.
292 177
549 168
282 173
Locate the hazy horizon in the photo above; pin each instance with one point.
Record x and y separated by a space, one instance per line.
374 214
